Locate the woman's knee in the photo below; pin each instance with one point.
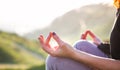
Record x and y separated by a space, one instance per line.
89 47
80 44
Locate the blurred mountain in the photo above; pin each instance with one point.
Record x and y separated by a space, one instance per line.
18 50
99 18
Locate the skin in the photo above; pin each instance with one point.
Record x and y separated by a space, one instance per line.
96 40
67 51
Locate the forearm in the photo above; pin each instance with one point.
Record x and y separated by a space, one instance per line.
96 61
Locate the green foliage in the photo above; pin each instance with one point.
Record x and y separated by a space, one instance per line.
39 67
5 57
15 49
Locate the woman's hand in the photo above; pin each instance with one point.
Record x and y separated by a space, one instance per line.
62 50
95 39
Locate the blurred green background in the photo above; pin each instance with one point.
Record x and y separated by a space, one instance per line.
24 52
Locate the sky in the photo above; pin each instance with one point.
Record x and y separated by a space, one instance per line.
23 16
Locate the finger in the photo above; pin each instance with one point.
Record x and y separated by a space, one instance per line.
41 39
57 39
91 34
44 46
41 36
48 38
83 36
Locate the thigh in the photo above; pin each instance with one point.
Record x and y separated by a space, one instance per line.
56 63
89 47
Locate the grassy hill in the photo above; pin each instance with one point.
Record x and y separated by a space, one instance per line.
18 50
98 17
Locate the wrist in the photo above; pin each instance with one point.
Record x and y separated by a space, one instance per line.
79 56
75 54
72 54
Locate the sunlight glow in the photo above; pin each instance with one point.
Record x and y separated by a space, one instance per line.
23 16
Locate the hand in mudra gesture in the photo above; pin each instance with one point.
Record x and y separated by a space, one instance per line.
62 50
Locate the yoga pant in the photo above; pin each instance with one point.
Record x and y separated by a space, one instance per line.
57 63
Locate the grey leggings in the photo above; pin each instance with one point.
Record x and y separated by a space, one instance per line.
56 63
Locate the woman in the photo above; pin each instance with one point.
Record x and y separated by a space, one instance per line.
64 50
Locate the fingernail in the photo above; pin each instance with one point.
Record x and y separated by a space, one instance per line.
54 33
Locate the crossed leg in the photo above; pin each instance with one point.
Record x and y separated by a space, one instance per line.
57 63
